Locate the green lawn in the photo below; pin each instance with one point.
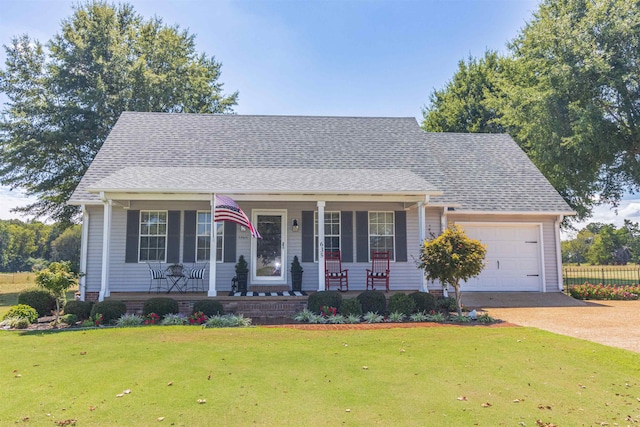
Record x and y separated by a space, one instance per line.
266 376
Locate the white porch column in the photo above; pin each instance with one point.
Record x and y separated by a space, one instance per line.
422 233
213 249
84 248
558 255
320 248
106 244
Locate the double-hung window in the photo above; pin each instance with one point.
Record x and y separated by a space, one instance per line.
331 232
153 236
203 237
382 233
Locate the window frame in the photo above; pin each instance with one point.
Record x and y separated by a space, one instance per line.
393 235
219 237
165 235
315 233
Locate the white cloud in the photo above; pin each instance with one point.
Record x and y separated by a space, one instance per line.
12 199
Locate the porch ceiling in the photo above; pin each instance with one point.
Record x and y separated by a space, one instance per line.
256 181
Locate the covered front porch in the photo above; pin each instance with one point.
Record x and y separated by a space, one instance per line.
187 232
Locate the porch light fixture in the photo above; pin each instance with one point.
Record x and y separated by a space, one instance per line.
294 225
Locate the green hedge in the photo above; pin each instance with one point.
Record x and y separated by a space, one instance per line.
325 298
402 303
425 302
82 309
373 301
41 300
351 306
22 311
111 310
209 307
160 306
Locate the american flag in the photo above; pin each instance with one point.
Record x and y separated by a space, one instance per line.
228 210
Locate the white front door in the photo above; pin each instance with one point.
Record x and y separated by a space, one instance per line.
513 261
269 253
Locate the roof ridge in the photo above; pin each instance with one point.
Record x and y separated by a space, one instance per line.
268 115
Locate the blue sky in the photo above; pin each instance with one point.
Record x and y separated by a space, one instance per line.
342 58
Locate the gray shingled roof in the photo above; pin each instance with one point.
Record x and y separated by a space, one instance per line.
151 152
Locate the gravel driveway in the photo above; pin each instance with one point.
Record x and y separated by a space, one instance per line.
614 323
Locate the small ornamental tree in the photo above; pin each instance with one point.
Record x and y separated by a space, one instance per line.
452 257
57 279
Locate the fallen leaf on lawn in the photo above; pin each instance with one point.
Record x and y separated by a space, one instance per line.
365 367
18 375
120 395
517 400
348 410
402 350
92 408
25 419
462 397
127 391
170 383
486 405
15 370
82 353
160 418
544 407
201 401
582 386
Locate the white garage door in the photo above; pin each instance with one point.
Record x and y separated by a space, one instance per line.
513 258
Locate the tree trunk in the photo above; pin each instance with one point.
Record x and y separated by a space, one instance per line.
456 286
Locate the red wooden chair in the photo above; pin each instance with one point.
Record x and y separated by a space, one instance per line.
379 271
333 272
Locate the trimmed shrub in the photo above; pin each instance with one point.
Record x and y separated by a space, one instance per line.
41 300
402 303
351 306
446 304
69 319
82 309
373 301
160 306
325 298
22 311
111 310
209 307
424 301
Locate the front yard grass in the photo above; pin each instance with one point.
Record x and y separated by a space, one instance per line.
276 376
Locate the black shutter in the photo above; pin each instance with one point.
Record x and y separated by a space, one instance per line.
307 236
401 236
362 236
189 245
229 241
173 237
346 236
132 240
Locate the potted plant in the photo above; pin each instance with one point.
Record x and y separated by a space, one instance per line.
242 272
175 269
296 274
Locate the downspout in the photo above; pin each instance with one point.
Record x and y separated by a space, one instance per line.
559 220
213 250
106 244
84 250
321 266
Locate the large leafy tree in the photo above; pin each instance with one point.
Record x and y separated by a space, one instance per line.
462 105
65 96
569 94
573 96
